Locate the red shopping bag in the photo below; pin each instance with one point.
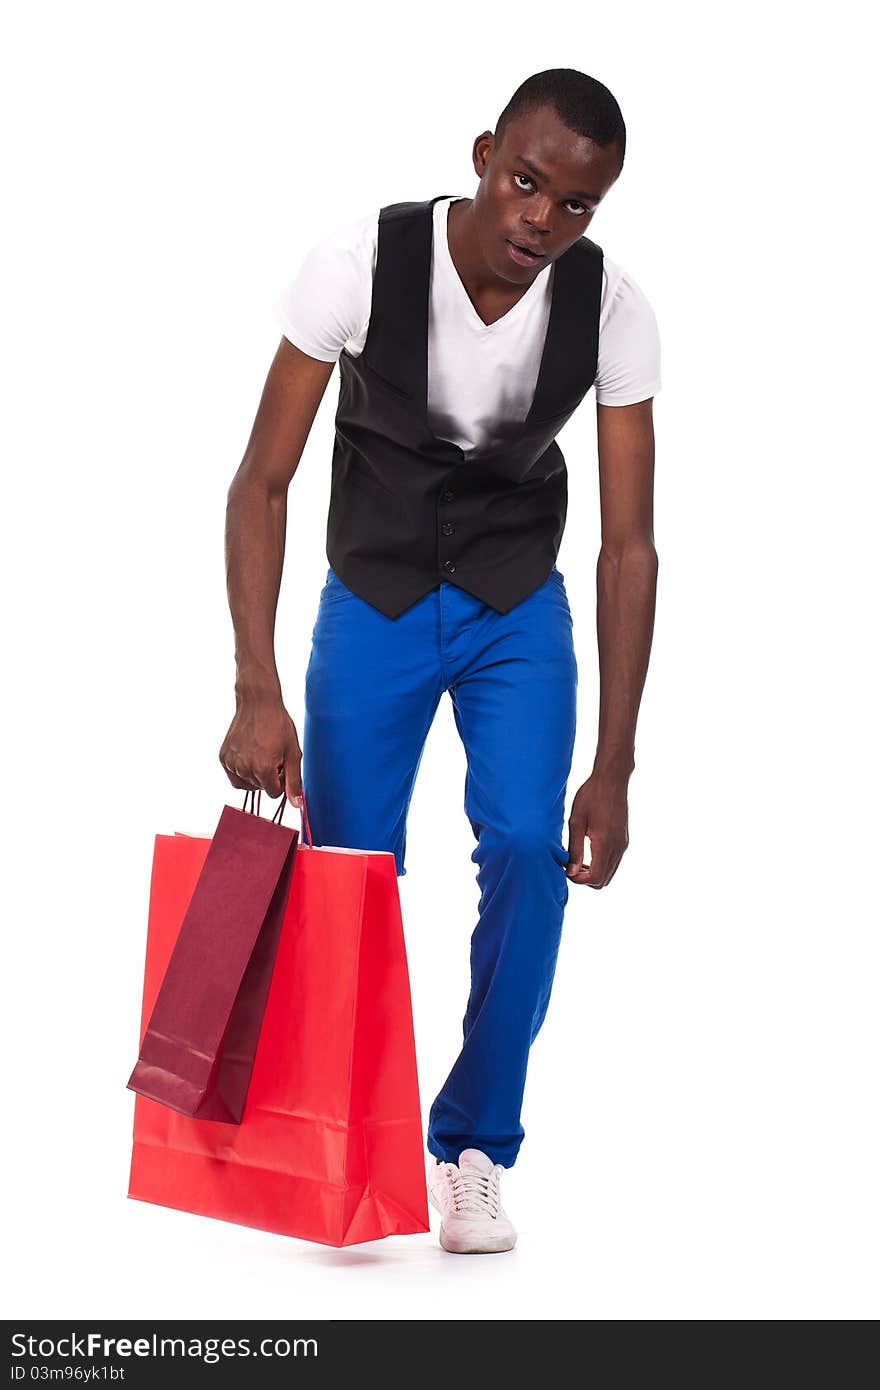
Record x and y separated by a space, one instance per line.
330 1143
198 1050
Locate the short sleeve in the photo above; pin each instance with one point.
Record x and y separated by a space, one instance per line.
629 342
327 305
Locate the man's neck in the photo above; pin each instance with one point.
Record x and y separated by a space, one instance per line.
491 296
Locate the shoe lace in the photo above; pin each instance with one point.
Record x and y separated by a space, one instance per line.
475 1192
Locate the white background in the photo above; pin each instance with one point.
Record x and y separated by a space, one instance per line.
701 1113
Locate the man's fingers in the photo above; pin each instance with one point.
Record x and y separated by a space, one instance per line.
237 778
576 837
598 867
253 779
603 866
615 865
576 875
268 779
293 779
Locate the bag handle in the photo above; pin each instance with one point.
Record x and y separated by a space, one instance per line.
255 809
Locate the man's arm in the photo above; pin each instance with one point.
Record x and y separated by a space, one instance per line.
262 737
626 587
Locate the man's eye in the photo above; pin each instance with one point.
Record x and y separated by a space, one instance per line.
571 203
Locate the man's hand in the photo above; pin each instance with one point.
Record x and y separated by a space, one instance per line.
599 813
261 750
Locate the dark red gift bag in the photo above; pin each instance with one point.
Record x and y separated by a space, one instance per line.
330 1144
198 1050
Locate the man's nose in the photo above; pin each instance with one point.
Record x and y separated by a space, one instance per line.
539 215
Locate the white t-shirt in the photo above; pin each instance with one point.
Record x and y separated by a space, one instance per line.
481 377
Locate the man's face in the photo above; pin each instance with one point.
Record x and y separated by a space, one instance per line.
539 187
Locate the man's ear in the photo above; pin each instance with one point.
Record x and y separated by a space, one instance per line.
482 152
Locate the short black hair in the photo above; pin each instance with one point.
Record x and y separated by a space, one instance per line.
581 102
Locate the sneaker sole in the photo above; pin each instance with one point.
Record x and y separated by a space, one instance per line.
494 1246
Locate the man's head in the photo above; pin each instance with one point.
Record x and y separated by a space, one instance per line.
558 146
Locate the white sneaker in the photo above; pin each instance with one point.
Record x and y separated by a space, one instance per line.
468 1197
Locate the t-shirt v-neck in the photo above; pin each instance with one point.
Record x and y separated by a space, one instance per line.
482 373
535 289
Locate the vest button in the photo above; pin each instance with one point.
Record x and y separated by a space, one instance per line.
448 565
448 529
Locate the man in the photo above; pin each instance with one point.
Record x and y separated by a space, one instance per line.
466 331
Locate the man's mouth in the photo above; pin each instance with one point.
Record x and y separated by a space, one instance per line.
524 255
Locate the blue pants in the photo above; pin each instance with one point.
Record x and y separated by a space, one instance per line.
372 689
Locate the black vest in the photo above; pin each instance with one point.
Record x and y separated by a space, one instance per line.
409 510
